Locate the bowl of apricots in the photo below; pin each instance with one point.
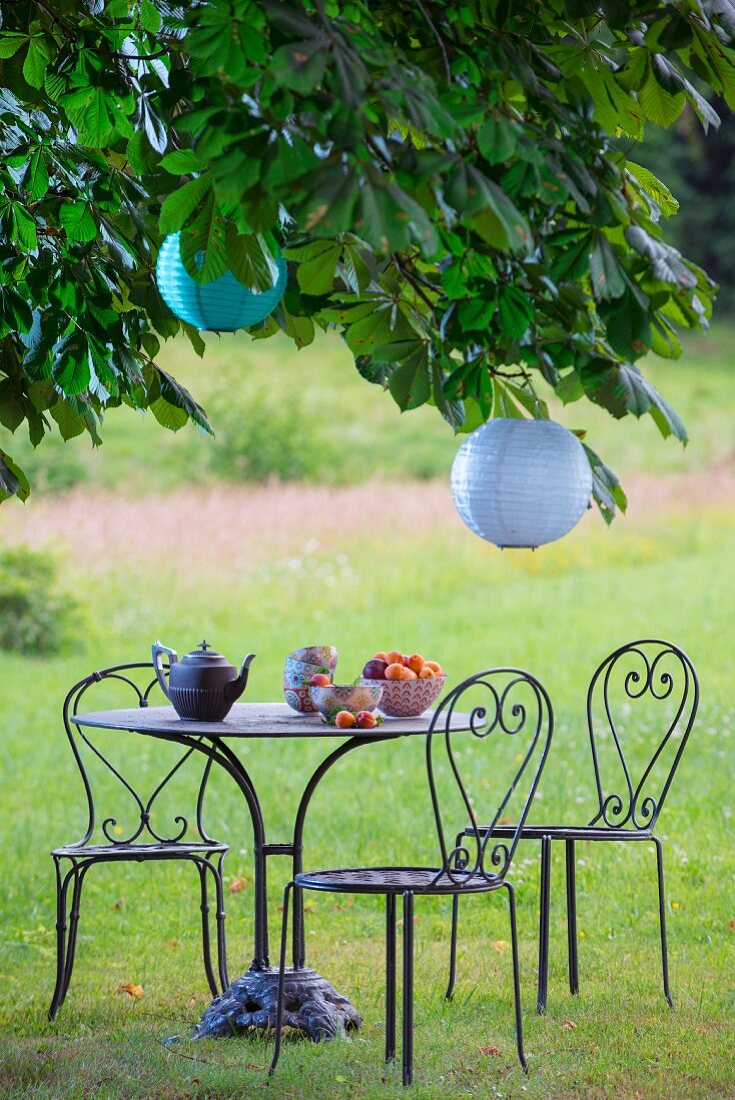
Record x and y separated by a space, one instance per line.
410 684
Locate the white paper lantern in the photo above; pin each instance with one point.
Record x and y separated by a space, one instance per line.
521 483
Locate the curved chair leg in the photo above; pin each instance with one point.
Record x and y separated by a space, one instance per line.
390 977
220 916
662 919
516 976
78 874
453 949
453 942
201 866
407 1021
572 917
62 887
543 937
281 980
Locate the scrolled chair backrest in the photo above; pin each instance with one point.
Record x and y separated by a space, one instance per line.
510 715
118 814
645 682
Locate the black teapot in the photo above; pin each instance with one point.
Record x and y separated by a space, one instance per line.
203 685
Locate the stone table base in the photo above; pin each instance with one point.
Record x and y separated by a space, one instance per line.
311 1005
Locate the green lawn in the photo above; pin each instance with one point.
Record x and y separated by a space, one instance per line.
390 580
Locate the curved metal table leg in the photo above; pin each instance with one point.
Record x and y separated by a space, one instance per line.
250 1001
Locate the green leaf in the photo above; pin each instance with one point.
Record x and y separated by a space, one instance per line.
658 105
181 162
653 187
571 263
37 58
666 263
169 416
13 482
504 403
300 65
299 329
476 313
12 410
496 139
608 277
249 260
316 274
14 310
150 18
203 244
100 116
36 179
77 220
481 201
515 311
606 488
328 207
569 388
628 326
173 392
69 421
181 204
71 369
410 382
24 228
452 410
10 43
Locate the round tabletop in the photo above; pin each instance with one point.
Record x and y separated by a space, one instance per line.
252 720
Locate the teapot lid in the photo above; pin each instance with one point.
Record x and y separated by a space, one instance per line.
203 656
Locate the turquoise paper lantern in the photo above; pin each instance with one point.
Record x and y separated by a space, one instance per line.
220 306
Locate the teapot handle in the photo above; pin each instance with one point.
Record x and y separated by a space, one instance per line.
156 650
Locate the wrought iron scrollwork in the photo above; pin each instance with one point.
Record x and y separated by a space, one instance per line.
139 679
662 672
516 705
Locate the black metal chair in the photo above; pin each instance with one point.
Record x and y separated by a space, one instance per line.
513 705
142 841
660 676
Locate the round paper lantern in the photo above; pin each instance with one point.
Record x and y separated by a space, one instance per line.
521 482
220 306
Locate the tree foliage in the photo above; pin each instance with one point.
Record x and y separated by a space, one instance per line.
446 181
700 170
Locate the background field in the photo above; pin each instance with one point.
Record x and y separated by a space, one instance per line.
175 551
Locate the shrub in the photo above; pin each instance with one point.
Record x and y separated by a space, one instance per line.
35 616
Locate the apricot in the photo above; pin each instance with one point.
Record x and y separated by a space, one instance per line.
382 656
394 657
320 679
394 671
344 720
426 673
409 674
415 662
435 667
366 720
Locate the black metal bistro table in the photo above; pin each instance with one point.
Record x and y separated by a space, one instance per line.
250 1001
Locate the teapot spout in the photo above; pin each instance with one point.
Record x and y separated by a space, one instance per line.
235 688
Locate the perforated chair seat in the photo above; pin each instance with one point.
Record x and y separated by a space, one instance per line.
565 832
135 851
395 880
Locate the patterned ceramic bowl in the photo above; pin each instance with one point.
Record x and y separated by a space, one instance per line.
408 698
296 672
323 656
353 697
299 699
